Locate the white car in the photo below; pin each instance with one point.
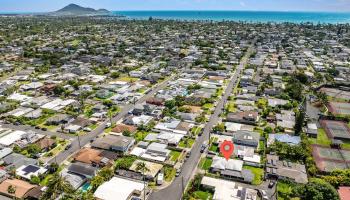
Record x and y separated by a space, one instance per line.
87 129
108 125
264 195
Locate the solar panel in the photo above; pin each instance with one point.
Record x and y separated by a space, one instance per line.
30 169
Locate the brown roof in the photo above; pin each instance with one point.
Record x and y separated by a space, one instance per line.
216 78
88 155
35 193
45 142
120 128
184 126
194 109
81 122
21 187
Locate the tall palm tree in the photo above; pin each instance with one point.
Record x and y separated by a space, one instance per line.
56 186
141 166
322 98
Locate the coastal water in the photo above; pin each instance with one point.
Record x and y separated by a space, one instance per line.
248 16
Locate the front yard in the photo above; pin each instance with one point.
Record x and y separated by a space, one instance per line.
258 174
174 155
186 143
205 163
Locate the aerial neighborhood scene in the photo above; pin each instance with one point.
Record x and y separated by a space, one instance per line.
170 100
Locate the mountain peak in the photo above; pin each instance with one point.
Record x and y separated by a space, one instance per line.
74 9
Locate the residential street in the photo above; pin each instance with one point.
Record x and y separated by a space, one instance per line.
83 140
175 190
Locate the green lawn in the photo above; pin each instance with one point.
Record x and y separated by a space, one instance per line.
127 79
346 145
213 148
93 126
258 174
75 42
322 138
230 107
186 143
202 195
219 92
205 163
196 130
284 190
208 106
140 135
174 155
169 173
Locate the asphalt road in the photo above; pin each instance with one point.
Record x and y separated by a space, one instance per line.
81 141
175 190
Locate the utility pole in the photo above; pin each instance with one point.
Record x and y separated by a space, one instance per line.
183 187
79 141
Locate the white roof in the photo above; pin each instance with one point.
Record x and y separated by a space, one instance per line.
253 159
117 189
170 137
224 190
19 97
11 137
233 126
57 104
137 151
27 171
223 164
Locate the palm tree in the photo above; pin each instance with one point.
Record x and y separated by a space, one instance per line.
56 186
141 166
322 98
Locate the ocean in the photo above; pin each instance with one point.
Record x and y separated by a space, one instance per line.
247 16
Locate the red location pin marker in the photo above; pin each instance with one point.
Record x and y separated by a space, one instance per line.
226 149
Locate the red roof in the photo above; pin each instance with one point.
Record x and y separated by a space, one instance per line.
344 193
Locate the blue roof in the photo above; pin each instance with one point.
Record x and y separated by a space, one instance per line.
285 138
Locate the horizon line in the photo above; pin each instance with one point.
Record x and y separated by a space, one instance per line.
204 10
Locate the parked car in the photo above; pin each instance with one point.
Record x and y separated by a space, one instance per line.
108 125
188 154
264 195
203 148
272 184
178 172
87 129
68 146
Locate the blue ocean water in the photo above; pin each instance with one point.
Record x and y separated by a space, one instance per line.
248 16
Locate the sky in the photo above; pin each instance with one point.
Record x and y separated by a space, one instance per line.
119 5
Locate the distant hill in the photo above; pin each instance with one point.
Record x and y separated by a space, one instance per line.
73 9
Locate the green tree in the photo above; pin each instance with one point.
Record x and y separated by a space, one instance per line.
322 98
316 189
33 149
35 180
56 186
95 182
115 75
219 128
